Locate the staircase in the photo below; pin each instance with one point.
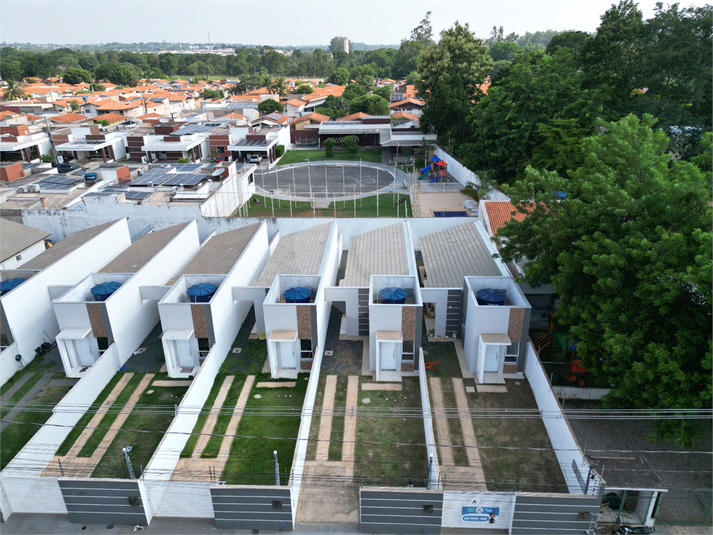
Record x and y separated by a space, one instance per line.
543 339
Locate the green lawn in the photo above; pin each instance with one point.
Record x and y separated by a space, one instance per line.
226 413
282 208
389 419
207 406
250 460
336 439
98 434
142 430
315 155
28 422
316 418
367 207
87 416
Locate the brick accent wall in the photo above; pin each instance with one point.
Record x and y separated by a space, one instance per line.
200 325
510 368
96 319
517 317
304 322
407 366
305 365
408 323
11 172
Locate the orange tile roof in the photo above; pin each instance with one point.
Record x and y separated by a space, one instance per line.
234 116
405 115
112 105
500 212
311 117
295 102
244 98
407 101
282 119
358 116
68 118
111 117
31 117
151 115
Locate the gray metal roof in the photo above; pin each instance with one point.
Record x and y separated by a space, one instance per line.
377 252
16 237
219 255
66 246
454 253
142 250
299 253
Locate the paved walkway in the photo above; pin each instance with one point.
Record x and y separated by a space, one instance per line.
325 420
210 422
14 388
445 451
197 468
350 419
471 444
84 466
26 399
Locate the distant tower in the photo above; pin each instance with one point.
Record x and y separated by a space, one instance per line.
346 45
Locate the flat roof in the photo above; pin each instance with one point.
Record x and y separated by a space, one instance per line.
66 246
142 250
16 237
219 254
454 253
377 252
299 253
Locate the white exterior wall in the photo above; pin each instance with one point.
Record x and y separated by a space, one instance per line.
25 490
25 256
131 317
350 296
231 195
464 175
32 325
383 318
439 297
328 273
566 447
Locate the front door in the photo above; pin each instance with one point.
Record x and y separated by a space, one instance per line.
388 355
492 358
287 355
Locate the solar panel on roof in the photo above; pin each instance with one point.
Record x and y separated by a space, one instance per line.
137 195
185 179
154 180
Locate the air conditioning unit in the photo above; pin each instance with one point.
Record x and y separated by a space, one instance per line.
35 188
23 189
144 159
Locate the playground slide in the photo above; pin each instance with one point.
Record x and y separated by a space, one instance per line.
434 179
424 170
424 175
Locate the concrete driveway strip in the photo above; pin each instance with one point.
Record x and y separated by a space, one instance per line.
325 420
14 388
466 423
444 436
212 417
26 399
350 419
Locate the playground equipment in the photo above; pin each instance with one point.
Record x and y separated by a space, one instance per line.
437 167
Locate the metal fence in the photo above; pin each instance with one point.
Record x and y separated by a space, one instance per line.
686 506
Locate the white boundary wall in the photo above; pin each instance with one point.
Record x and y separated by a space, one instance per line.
464 175
26 491
435 476
567 450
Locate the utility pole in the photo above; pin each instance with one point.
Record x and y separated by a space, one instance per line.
127 460
276 465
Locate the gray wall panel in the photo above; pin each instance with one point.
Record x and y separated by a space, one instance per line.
251 508
101 501
385 511
556 514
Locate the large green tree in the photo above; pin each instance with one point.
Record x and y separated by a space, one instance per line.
512 120
451 73
370 104
76 76
629 254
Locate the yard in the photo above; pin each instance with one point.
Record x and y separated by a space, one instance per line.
389 205
314 155
270 423
390 449
531 466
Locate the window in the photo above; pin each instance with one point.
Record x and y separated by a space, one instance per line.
103 343
18 257
408 350
306 349
513 350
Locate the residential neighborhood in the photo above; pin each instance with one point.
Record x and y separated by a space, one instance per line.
456 285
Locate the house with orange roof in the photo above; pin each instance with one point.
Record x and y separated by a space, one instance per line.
111 118
70 118
19 142
408 104
358 116
233 118
304 130
401 116
294 107
88 142
46 94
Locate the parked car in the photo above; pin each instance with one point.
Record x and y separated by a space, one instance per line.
254 158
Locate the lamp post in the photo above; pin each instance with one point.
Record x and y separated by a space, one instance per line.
311 199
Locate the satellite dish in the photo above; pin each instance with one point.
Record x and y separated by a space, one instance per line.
217 172
164 120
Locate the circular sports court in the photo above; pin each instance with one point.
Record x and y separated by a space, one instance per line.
324 180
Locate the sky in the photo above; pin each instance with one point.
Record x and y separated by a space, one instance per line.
285 22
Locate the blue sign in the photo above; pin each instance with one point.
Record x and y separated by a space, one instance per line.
480 514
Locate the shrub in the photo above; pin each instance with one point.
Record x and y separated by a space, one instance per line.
279 150
328 147
183 160
47 158
350 144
